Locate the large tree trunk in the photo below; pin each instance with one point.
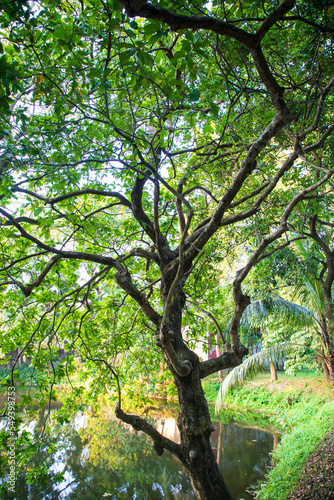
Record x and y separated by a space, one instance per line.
194 420
195 429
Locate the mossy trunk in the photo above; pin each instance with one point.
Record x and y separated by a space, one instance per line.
194 420
195 427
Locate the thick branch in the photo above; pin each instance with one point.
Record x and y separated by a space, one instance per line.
275 90
252 41
137 208
180 22
74 194
29 288
99 259
123 278
160 443
98 192
275 16
241 301
225 360
23 218
179 207
245 171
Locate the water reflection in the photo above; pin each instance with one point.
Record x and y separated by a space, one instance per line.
97 457
243 452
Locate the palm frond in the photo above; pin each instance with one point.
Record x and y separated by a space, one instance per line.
251 367
274 311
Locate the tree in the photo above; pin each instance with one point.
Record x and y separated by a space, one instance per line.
320 284
285 319
305 273
144 131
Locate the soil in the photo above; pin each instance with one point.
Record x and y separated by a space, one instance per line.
317 479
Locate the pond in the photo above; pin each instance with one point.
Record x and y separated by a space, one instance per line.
98 457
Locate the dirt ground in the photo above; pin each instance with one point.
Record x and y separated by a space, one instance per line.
317 479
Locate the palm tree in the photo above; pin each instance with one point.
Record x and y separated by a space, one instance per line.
276 311
318 283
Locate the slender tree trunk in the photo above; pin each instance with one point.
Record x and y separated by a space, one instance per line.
327 375
273 371
329 353
220 373
330 365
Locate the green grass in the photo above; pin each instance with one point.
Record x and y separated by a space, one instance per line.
302 405
311 425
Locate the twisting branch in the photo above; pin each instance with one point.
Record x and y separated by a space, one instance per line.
29 288
242 301
319 111
275 16
248 166
74 194
123 278
326 283
166 335
160 443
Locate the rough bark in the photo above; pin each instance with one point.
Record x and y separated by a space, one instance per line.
194 420
195 428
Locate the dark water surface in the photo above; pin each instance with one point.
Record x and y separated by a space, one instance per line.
102 458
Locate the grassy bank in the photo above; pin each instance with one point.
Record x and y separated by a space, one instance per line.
302 406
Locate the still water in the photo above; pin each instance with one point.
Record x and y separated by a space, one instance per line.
97 457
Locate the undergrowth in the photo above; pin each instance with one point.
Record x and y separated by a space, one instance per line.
306 417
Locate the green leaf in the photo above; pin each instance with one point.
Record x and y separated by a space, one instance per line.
194 96
38 211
